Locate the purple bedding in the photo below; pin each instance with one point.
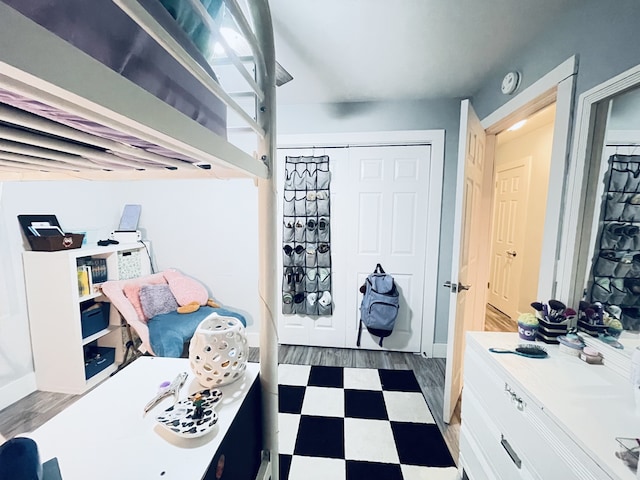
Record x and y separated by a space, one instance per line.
103 31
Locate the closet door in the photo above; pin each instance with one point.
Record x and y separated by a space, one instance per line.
379 213
388 188
321 327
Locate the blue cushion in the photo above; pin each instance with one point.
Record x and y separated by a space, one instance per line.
19 459
169 331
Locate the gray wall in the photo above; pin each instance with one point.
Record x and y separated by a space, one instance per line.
604 35
385 116
625 112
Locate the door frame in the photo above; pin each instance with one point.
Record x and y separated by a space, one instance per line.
556 86
434 138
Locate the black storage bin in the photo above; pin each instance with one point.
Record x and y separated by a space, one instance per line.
97 359
94 318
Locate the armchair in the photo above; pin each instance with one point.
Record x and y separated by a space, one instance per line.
149 304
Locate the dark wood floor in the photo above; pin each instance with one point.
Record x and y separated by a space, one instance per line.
496 321
38 407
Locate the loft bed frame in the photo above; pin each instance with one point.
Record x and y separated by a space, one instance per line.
65 115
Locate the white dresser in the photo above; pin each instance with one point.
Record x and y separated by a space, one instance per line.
551 418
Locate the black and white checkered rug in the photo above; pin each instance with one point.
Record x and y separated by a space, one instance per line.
357 423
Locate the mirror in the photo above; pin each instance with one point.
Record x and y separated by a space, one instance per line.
608 251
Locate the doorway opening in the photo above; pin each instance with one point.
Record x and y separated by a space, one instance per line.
522 159
472 217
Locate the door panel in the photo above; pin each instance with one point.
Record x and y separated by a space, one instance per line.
369 223
464 268
403 232
508 235
390 227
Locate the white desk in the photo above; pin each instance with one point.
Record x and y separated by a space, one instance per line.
105 436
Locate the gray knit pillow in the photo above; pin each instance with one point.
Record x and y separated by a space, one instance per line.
157 299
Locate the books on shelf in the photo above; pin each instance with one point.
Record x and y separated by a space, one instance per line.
98 266
85 285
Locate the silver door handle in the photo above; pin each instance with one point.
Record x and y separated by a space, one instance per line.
456 287
512 253
452 286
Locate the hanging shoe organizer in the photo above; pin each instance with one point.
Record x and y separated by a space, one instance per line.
306 237
615 272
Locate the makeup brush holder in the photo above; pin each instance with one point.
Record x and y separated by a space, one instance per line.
549 332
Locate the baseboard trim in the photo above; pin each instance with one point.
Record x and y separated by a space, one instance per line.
439 350
17 390
253 339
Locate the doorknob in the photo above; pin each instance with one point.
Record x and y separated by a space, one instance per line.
456 287
512 253
452 286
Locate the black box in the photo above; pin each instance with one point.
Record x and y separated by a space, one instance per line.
97 359
54 244
67 241
94 318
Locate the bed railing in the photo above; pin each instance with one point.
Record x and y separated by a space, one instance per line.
149 24
42 69
237 59
259 89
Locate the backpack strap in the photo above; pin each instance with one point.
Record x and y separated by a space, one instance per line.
379 269
360 335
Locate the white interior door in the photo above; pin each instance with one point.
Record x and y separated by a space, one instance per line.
383 197
464 266
389 205
507 242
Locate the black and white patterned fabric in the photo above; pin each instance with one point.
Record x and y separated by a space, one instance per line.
357 423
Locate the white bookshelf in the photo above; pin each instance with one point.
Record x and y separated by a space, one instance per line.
54 306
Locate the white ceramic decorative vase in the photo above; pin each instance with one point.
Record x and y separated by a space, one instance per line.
218 351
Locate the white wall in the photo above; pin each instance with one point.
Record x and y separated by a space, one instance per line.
205 228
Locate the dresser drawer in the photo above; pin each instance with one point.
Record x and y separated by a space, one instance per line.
546 450
504 462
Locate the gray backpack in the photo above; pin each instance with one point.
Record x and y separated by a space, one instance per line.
380 304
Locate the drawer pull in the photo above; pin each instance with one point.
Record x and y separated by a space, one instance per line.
510 451
515 399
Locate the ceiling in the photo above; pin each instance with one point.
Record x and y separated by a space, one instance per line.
364 50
